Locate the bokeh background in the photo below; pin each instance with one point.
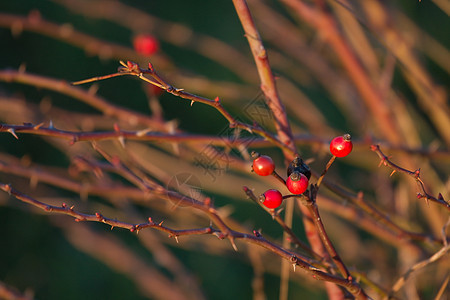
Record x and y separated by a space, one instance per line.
403 48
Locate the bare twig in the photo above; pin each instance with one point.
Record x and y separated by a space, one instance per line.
310 202
319 18
118 133
330 162
420 265
442 289
131 68
63 87
295 259
266 76
414 174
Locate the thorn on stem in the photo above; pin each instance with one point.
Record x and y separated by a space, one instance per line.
143 132
11 130
417 173
121 140
150 67
233 244
36 127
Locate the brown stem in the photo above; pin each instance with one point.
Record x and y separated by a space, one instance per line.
278 177
87 97
313 209
324 23
266 77
224 231
140 135
414 174
131 68
330 162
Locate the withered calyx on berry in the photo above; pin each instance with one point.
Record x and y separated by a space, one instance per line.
297 165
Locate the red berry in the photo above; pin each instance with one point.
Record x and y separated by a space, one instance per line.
145 44
341 146
263 165
297 183
272 198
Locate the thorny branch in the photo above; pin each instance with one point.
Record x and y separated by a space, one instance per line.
98 217
414 174
294 259
118 133
131 68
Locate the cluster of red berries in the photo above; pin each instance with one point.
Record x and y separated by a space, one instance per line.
298 172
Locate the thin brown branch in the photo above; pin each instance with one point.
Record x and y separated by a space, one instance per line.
414 174
276 217
442 289
376 214
330 162
310 202
294 259
126 15
356 216
150 135
120 257
63 87
66 33
420 265
266 77
350 285
79 217
118 133
325 24
131 68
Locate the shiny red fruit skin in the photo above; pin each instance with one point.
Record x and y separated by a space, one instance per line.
341 146
272 199
297 186
263 165
145 44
